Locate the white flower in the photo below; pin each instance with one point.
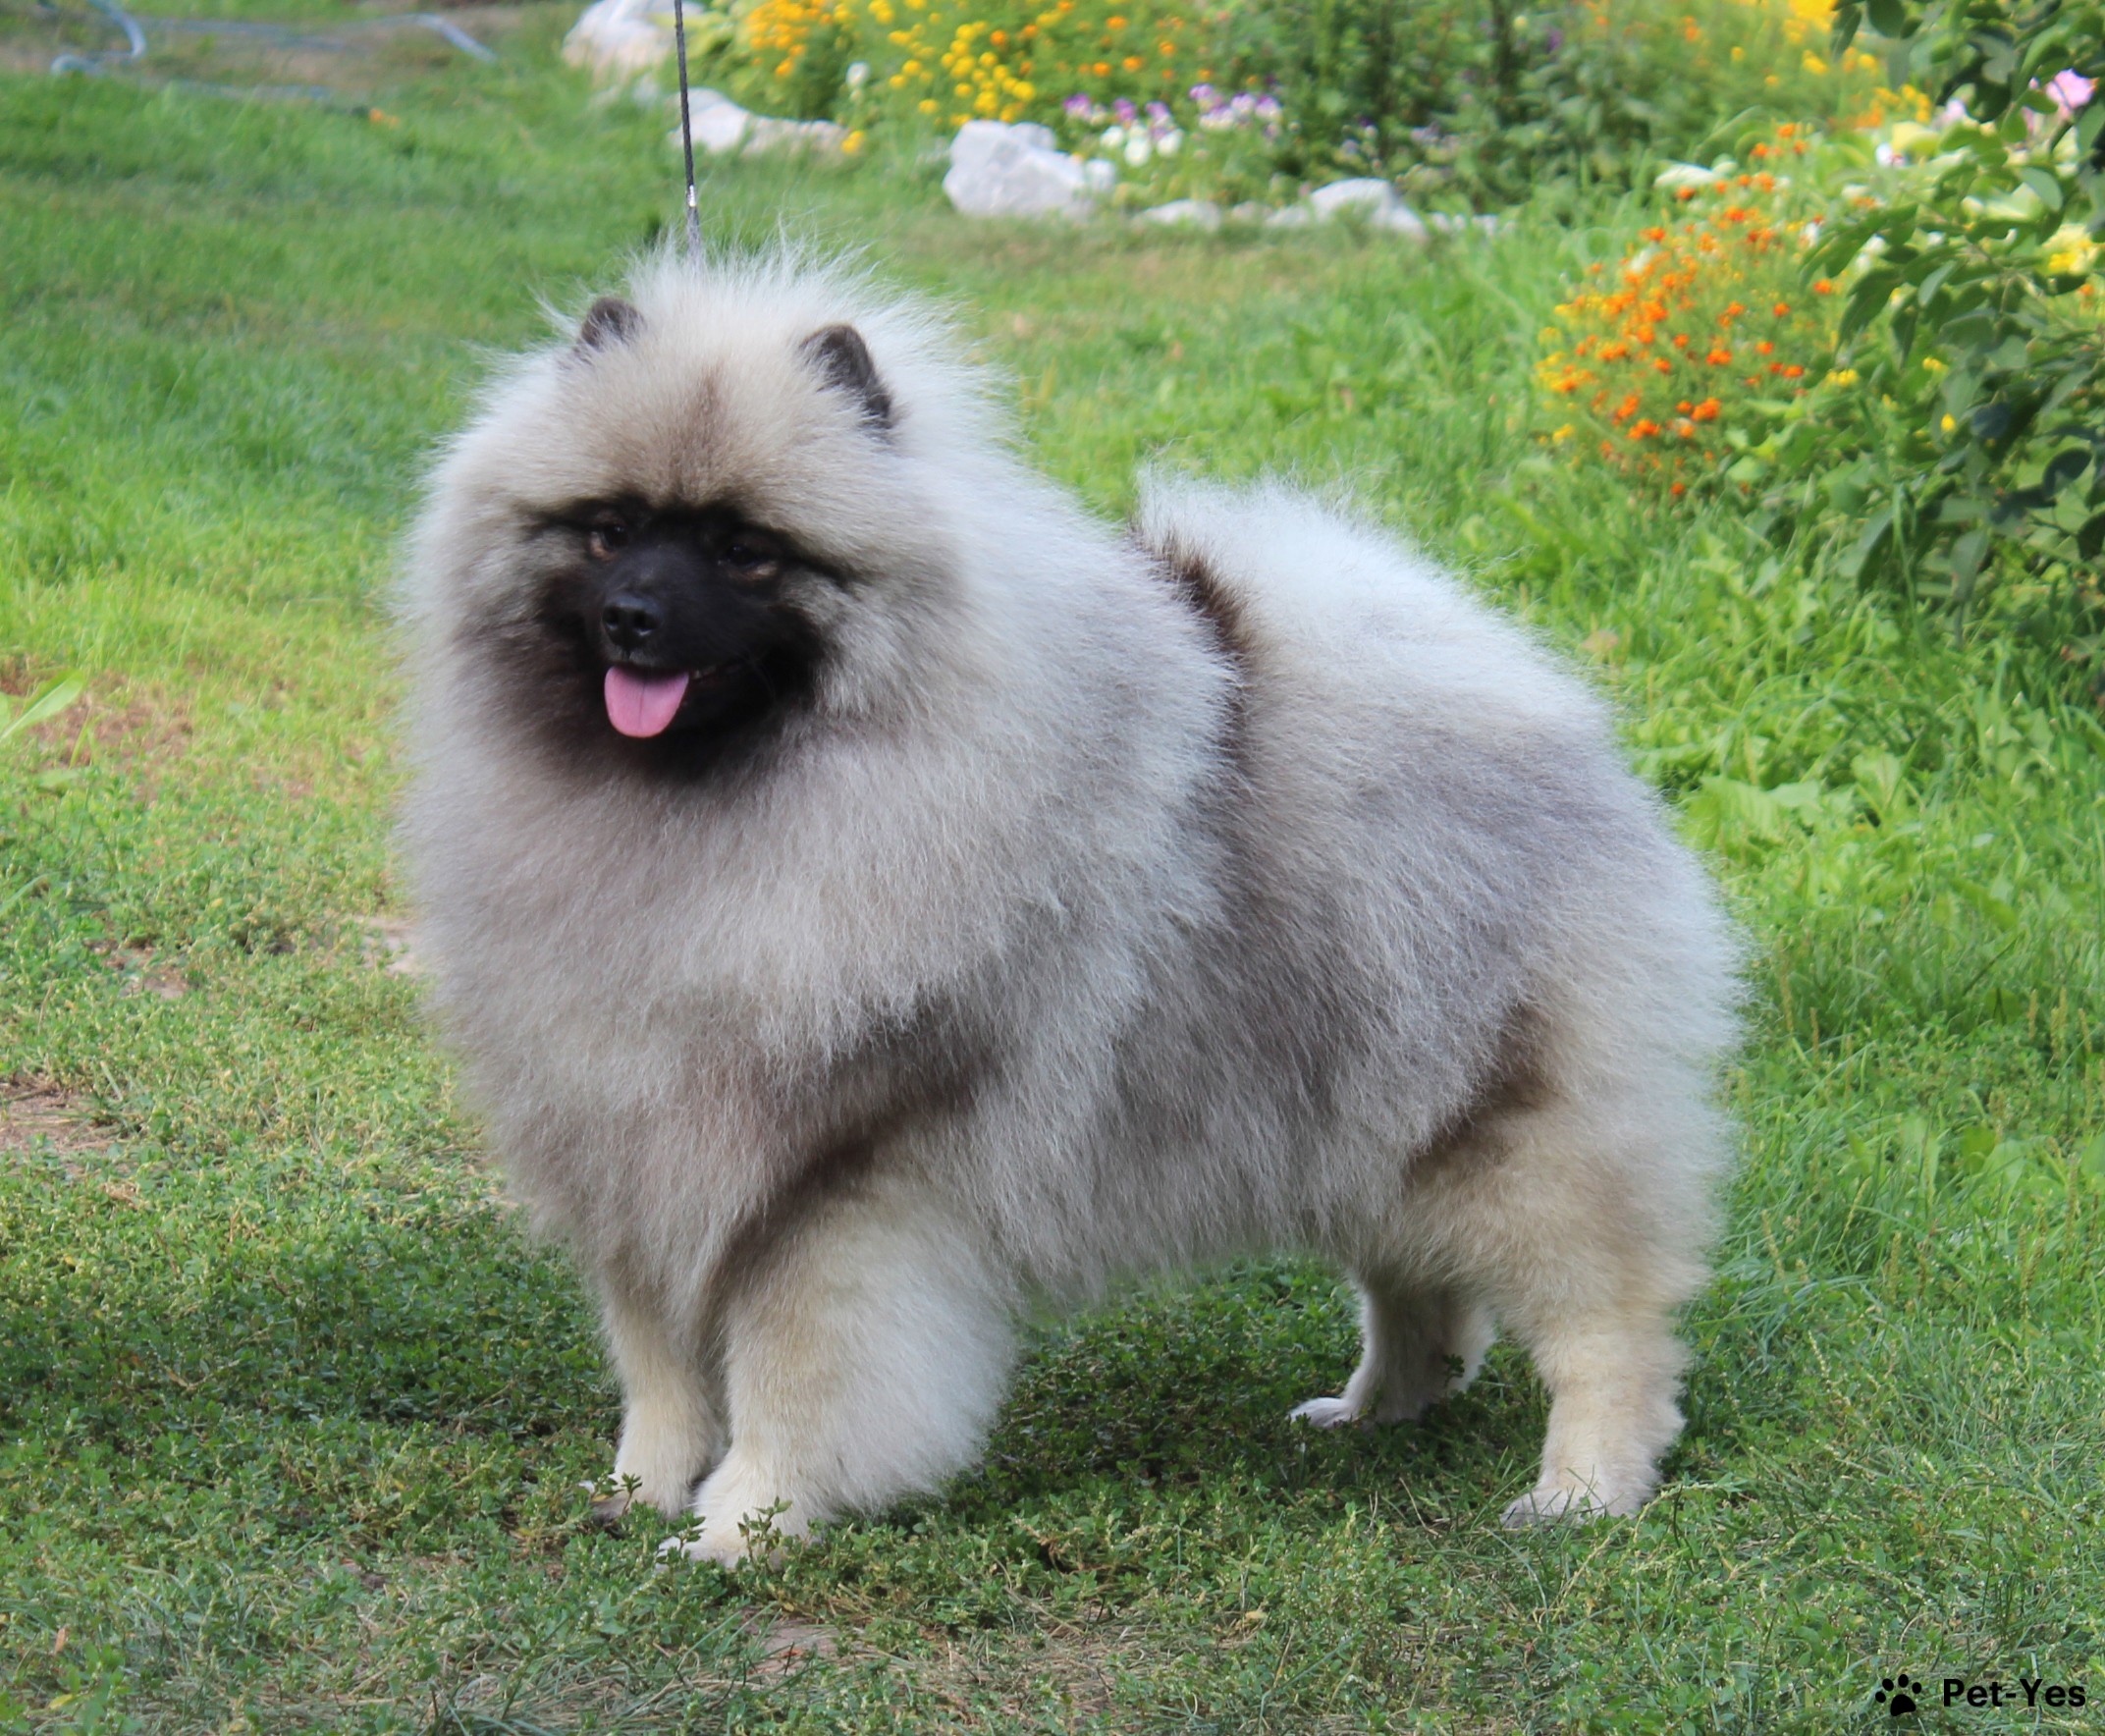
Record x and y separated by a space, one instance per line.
1138 150
1688 174
1114 138
1170 141
858 75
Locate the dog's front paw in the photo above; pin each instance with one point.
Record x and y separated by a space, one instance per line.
728 1546
1326 1413
1571 1502
606 1511
708 1544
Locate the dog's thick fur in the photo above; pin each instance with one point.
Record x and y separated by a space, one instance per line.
1102 902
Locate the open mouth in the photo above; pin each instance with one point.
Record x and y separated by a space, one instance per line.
643 703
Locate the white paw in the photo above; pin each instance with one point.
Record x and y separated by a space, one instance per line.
711 1544
1326 1413
1547 1505
608 1509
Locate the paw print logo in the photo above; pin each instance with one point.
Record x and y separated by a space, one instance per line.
1893 1694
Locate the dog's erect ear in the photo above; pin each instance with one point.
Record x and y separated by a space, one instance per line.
607 322
844 362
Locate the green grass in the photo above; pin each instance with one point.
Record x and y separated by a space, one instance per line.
292 1417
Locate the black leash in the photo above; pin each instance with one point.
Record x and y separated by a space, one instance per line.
686 131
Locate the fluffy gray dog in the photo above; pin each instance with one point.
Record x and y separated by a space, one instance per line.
873 898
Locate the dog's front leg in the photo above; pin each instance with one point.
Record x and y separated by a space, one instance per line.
864 1358
671 1434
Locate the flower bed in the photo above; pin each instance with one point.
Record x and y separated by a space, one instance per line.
1462 96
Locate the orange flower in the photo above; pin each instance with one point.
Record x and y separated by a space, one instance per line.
1825 287
1764 347
1644 430
1678 490
1794 372
1719 356
1781 308
1705 411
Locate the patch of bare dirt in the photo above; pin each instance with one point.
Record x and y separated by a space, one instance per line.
145 971
33 1109
116 722
786 1641
390 943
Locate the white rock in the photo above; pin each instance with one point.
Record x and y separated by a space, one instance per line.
1099 175
1447 223
1362 194
1400 219
770 134
1004 170
1290 217
1250 211
621 38
720 125
1193 213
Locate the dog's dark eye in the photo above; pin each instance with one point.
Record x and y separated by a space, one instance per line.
749 553
604 538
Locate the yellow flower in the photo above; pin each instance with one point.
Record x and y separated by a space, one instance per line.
1814 65
1949 424
1843 376
2072 252
1935 366
853 142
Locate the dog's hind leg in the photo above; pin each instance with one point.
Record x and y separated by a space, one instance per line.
671 1434
1418 1345
865 1355
1583 1224
1613 1375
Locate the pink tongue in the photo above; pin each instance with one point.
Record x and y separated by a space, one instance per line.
641 704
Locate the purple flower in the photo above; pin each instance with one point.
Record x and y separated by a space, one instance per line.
2069 91
1127 114
1078 105
1206 96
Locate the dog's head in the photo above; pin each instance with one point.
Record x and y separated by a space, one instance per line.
720 508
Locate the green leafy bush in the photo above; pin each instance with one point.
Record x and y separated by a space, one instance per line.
1973 448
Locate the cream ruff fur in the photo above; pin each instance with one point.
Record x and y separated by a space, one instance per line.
1113 903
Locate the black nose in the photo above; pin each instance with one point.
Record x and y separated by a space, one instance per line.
631 621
